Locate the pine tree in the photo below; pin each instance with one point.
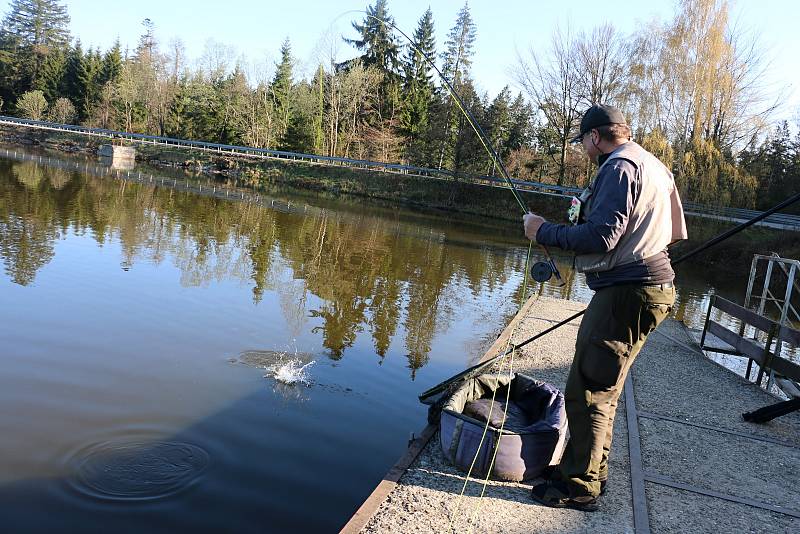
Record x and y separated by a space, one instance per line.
76 78
282 89
498 125
112 65
377 40
521 132
51 75
457 60
469 155
146 49
381 50
39 27
460 48
232 95
93 63
10 67
418 87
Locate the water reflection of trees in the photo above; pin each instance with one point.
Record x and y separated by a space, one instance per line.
370 274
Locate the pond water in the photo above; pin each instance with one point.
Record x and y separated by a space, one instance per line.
150 335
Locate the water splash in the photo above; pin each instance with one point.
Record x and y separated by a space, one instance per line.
292 371
285 367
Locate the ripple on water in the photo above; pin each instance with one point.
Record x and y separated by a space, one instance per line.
136 470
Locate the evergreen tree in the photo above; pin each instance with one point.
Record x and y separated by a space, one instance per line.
10 67
112 65
418 87
318 85
773 165
457 60
469 155
76 78
93 64
51 75
146 49
521 133
381 51
498 126
460 48
499 121
377 40
300 136
39 27
282 89
232 95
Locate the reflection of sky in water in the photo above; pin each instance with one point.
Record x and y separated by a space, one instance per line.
125 304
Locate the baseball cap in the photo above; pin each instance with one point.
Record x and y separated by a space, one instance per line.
598 115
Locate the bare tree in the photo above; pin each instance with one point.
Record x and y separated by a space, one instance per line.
601 65
552 82
176 60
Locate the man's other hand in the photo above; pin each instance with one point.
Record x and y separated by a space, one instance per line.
532 222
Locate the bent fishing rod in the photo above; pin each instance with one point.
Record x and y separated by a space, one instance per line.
543 269
476 369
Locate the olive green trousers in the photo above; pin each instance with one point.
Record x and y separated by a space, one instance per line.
612 332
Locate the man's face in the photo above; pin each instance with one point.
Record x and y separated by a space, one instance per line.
589 141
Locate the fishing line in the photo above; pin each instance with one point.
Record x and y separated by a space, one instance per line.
476 127
500 372
505 415
483 138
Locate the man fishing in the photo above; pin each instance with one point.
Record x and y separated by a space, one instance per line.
621 227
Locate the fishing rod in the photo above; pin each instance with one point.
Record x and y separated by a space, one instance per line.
541 271
473 371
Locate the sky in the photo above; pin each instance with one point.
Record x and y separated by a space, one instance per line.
254 30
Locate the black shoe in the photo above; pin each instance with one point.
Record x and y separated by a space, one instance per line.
556 495
552 472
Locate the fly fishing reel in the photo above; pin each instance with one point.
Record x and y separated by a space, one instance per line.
541 271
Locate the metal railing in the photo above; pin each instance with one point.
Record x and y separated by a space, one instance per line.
781 221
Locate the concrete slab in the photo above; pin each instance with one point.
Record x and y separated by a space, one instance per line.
427 497
722 463
674 511
674 381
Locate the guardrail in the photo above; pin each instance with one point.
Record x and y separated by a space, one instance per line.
782 221
265 153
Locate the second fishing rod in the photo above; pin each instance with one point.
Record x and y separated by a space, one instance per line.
441 387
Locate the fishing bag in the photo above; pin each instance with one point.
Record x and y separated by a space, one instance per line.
533 435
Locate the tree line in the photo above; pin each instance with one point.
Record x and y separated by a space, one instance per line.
691 87
394 281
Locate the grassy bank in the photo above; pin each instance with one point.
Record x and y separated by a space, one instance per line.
420 192
733 255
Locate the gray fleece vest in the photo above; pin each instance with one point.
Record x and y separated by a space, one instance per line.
655 221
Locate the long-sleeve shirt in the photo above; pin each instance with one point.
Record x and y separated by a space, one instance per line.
615 191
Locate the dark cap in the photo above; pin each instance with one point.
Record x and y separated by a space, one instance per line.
598 115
